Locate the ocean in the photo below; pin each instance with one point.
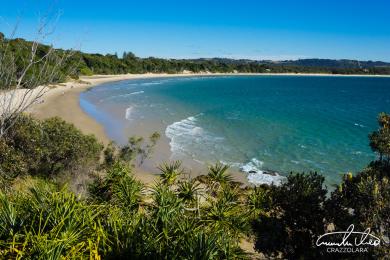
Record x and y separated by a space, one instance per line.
253 123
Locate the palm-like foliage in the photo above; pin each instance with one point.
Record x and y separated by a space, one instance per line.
218 173
189 190
227 213
54 225
10 221
218 177
40 219
202 245
166 205
127 193
169 172
259 200
46 222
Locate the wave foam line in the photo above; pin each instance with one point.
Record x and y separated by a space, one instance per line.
124 95
128 113
182 132
257 176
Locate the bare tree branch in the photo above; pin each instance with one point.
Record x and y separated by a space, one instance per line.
23 76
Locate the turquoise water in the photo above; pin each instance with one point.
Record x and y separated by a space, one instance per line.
254 123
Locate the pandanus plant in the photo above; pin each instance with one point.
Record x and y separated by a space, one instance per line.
47 223
170 172
226 212
217 176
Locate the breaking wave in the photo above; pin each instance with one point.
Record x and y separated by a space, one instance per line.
149 83
182 133
359 125
257 176
123 95
187 138
128 113
255 173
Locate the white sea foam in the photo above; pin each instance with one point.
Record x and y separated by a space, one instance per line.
123 95
258 176
360 125
253 165
128 113
182 132
149 83
187 137
136 92
232 164
255 174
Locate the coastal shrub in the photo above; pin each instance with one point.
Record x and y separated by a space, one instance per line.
51 146
134 153
295 217
66 146
117 184
189 192
226 212
176 218
85 71
49 65
380 139
259 200
11 163
170 172
364 200
169 221
137 149
45 222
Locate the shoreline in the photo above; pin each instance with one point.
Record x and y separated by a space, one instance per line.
63 101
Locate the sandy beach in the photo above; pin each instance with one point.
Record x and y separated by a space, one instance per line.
63 101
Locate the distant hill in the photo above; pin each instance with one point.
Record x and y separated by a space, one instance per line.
328 63
89 64
321 63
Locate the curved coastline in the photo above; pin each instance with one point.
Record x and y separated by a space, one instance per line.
64 101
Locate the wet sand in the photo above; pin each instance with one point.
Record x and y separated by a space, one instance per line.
63 101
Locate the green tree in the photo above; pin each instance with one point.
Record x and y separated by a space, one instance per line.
51 146
137 150
295 218
380 139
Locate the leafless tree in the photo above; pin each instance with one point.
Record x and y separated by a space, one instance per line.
25 71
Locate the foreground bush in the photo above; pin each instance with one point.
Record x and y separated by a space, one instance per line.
294 217
46 147
176 218
125 221
45 222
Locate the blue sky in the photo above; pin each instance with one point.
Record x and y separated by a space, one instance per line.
273 29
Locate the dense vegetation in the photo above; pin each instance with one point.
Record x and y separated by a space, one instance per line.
35 63
79 63
63 195
58 199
